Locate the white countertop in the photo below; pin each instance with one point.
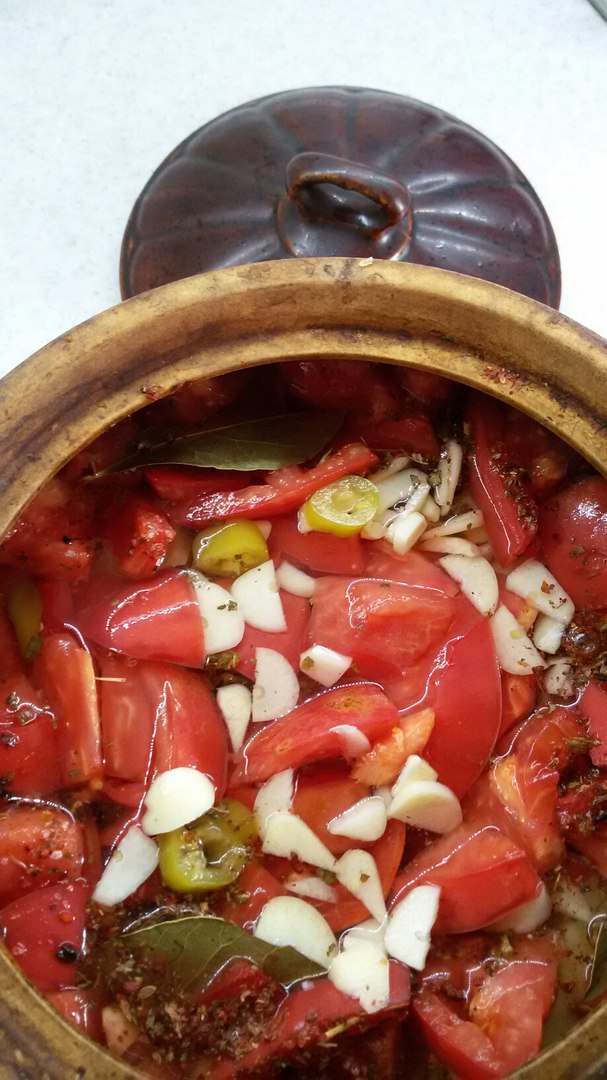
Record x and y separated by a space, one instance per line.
94 94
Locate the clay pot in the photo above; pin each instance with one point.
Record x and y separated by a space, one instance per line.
70 391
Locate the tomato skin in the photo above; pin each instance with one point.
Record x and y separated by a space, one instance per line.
257 885
137 534
53 537
321 554
11 661
340 384
519 694
38 846
543 456
383 628
573 532
511 1006
289 642
285 490
324 791
468 685
158 619
510 520
412 433
29 759
308 733
412 569
460 1044
82 1008
66 674
38 924
433 390
482 874
178 483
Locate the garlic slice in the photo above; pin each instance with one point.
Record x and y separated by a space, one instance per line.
366 820
290 921
357 872
409 926
476 578
515 652
234 701
288 836
363 972
540 589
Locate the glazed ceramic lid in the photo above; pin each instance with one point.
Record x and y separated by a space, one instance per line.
340 171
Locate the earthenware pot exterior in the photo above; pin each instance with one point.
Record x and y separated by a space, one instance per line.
66 394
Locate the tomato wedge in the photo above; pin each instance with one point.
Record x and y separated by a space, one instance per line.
314 732
482 874
67 677
496 485
45 932
39 845
137 534
286 489
573 532
29 757
289 642
320 553
157 619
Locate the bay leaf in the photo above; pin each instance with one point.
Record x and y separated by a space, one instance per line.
270 442
194 948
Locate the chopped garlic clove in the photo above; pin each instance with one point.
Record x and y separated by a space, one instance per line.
450 545
415 768
130 864
476 578
527 917
295 581
290 921
363 972
548 634
312 888
370 931
287 836
357 872
256 593
276 794
234 702
325 666
175 798
223 621
409 926
405 531
449 469
366 820
515 652
426 804
540 589
276 689
558 679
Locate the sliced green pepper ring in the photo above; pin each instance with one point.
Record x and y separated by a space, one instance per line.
211 852
342 508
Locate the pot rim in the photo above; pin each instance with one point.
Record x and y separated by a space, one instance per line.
75 387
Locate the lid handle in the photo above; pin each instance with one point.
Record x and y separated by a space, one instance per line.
308 170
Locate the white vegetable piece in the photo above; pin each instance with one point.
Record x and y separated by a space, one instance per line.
426 804
415 768
476 578
558 679
568 899
276 689
417 499
288 836
398 463
515 652
276 794
287 920
405 531
534 582
357 872
295 581
449 469
313 888
353 742
548 634
527 917
398 487
222 618
384 794
409 926
234 702
257 594
366 820
450 545
363 972
325 666
176 797
370 931
431 509
130 864
459 523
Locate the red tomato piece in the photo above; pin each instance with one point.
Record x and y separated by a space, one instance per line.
285 490
256 885
573 533
519 694
523 612
190 731
44 932
580 814
458 1043
57 604
497 487
388 854
128 720
593 705
466 685
66 675
29 759
11 661
433 390
382 764
324 791
289 642
482 874
383 627
198 399
82 1008
158 619
137 534
54 535
312 731
321 553
38 845
511 1006
357 386
411 433
181 483
413 569
544 457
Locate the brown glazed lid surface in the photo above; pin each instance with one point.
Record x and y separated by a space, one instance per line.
340 171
